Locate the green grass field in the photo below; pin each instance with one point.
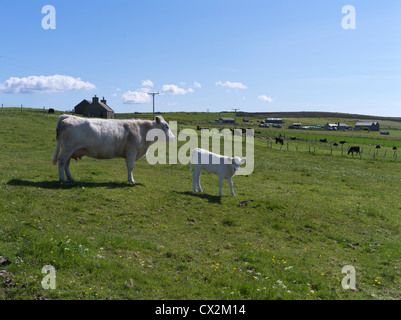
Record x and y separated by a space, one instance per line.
295 222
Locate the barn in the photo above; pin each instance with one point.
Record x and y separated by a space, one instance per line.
371 125
226 120
94 108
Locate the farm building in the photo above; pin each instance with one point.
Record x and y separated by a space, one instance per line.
94 108
371 125
226 120
274 120
336 126
295 126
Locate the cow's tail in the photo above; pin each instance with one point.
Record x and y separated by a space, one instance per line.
190 167
58 131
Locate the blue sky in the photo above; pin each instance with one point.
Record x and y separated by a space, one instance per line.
256 55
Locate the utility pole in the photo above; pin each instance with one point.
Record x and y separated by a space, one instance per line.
153 95
235 122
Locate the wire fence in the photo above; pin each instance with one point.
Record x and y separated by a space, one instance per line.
364 152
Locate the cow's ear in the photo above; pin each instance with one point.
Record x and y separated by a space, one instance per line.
158 120
243 160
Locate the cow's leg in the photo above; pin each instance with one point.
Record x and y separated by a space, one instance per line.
62 162
230 183
129 160
67 170
221 181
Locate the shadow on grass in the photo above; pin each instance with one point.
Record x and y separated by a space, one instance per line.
210 198
70 185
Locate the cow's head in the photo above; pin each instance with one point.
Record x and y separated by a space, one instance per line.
163 125
237 161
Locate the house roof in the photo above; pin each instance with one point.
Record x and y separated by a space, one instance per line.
106 107
227 119
366 123
103 105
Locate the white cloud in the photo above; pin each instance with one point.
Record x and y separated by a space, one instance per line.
232 85
139 96
174 90
197 85
147 84
265 98
44 84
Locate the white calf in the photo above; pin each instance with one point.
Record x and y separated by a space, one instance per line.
224 167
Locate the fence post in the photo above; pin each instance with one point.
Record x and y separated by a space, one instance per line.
21 107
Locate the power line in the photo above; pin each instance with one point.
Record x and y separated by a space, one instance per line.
235 121
153 95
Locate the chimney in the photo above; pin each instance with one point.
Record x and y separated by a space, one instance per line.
103 101
95 99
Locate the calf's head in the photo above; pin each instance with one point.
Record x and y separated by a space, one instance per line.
237 161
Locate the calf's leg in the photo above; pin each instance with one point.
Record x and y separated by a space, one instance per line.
196 180
221 181
230 183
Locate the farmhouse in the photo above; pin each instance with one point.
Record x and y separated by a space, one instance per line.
94 108
371 125
226 120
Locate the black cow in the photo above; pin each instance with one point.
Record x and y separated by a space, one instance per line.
353 149
280 140
323 140
335 144
342 142
378 147
394 148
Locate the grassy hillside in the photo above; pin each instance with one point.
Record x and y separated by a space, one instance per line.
295 222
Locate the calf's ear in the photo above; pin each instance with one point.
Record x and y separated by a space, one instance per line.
158 120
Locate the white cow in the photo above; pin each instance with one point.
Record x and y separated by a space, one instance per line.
103 139
225 167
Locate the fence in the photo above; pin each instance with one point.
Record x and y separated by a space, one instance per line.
365 152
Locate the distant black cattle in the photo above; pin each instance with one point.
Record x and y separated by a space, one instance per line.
377 147
293 138
394 148
335 144
342 142
323 140
50 111
280 140
354 149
